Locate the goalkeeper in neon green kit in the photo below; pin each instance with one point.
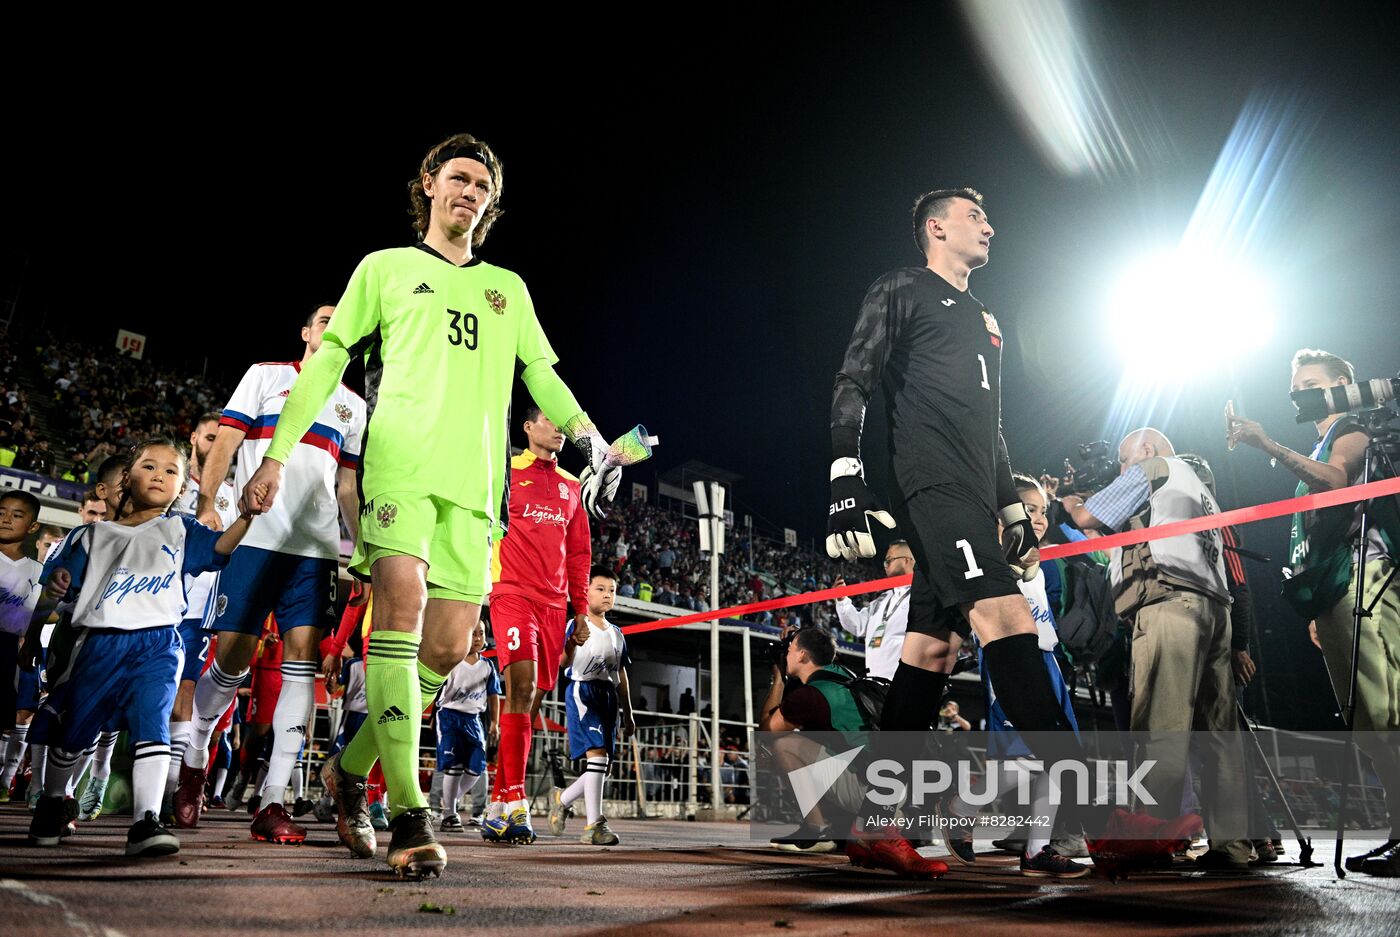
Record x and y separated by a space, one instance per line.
439 331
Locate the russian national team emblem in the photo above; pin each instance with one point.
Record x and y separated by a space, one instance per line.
564 491
220 606
343 413
992 327
496 301
386 515
221 502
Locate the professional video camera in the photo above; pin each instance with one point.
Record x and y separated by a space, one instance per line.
1096 466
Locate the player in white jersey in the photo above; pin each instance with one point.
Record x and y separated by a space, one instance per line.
597 659
286 568
19 591
472 688
125 582
194 630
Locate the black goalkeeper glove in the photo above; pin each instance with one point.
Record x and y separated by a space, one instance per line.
1018 539
852 506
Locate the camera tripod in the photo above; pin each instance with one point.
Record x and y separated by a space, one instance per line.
1381 449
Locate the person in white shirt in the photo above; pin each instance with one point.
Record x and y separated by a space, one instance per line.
471 695
287 568
194 630
19 591
597 694
882 623
125 580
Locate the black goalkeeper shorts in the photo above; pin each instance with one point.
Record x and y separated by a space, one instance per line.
953 536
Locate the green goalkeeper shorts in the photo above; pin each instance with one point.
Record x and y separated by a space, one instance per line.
454 541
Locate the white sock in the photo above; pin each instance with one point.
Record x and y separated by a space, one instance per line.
495 810
220 779
288 726
574 791
76 776
38 765
15 744
298 782
464 785
451 790
102 758
212 695
179 741
149 768
63 771
593 775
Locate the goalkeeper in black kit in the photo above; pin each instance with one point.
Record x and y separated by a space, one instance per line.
936 351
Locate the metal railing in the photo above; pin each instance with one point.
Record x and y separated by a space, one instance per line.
664 772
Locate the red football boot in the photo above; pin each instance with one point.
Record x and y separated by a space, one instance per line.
273 825
189 797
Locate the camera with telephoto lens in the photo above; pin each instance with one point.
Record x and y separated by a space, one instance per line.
1317 403
1096 466
777 653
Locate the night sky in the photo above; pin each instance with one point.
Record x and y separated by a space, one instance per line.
698 207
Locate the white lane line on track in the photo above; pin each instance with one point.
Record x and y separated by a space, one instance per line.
76 924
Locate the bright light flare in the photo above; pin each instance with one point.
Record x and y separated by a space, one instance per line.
1178 314
1061 84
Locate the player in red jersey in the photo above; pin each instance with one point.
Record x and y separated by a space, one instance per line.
541 570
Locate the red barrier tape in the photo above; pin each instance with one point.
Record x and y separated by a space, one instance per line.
1313 502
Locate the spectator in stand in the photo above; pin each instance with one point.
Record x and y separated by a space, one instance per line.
94 507
666 558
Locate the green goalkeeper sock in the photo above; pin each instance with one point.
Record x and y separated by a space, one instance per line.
429 682
395 714
360 754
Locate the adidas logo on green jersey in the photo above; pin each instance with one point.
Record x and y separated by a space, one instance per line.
422 288
392 714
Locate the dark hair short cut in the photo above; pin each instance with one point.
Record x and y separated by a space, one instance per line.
112 465
213 416
819 645
23 497
1336 366
532 413
90 495
420 206
602 572
311 316
935 205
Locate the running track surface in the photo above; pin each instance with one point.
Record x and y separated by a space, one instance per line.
667 877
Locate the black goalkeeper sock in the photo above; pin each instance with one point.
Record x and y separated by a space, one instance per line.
1023 689
913 700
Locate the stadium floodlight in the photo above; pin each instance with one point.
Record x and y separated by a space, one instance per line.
1177 313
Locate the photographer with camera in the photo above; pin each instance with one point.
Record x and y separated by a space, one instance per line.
1325 559
810 692
1175 596
883 622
